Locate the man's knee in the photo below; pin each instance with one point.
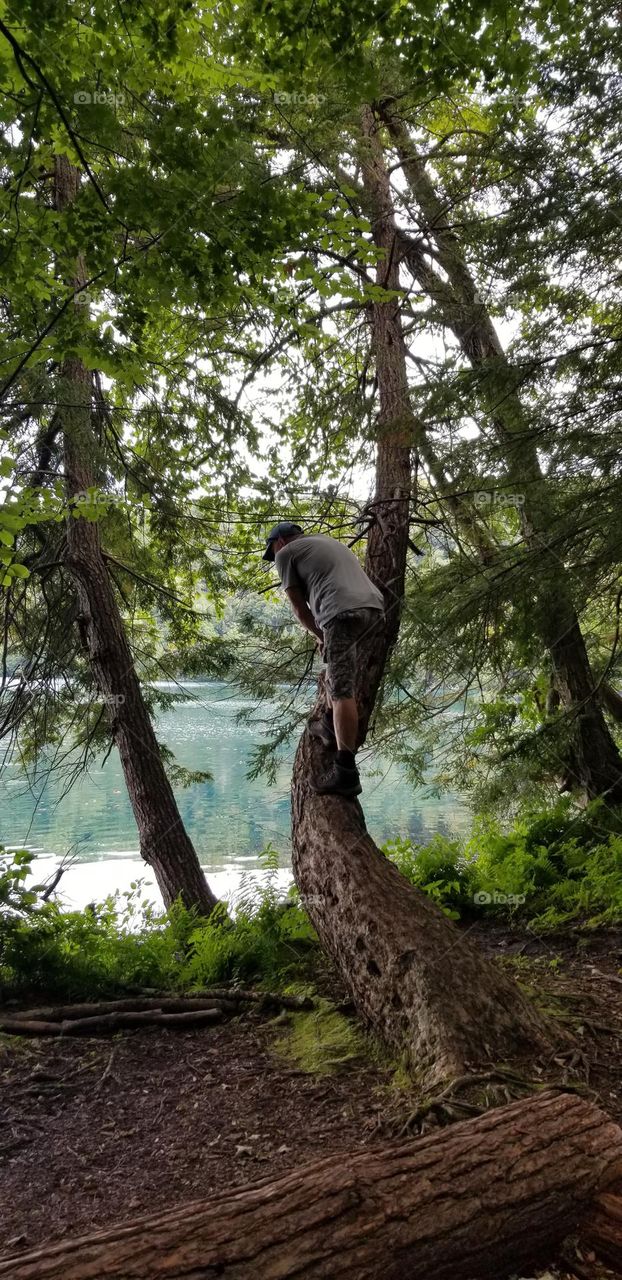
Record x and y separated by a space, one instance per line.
347 703
340 685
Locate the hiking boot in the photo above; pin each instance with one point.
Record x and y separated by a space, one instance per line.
324 730
339 780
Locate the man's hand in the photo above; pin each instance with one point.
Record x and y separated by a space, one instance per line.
319 644
303 612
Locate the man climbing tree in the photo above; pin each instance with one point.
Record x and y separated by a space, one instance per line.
335 601
413 977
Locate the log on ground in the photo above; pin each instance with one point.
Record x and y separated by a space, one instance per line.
481 1199
110 1022
129 1004
225 998
602 1230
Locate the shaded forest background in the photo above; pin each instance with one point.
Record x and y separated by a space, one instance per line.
191 263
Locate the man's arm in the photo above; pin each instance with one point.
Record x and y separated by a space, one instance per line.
303 613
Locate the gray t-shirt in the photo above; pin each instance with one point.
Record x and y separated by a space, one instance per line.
329 574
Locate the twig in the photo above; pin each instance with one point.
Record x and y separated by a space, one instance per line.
108 1068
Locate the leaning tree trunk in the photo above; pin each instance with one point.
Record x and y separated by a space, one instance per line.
595 762
483 1198
164 843
413 976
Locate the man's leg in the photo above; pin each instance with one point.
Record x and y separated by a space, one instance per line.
341 638
338 727
342 777
346 722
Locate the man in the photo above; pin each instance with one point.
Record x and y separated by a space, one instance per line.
334 600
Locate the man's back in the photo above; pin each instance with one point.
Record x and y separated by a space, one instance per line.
329 574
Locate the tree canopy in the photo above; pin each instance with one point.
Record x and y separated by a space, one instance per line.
229 264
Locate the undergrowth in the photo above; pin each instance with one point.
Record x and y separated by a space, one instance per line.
124 943
550 871
321 1040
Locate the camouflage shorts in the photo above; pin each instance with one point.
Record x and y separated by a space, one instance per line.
342 637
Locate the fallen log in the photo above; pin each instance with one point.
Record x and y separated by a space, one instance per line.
481 1199
109 1022
266 999
602 1229
129 1004
223 998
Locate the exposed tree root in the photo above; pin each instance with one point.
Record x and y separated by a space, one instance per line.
501 1086
168 1011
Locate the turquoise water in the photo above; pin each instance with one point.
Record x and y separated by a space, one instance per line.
229 819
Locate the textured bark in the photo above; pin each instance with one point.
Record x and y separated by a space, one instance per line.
397 425
602 1229
110 1022
130 1004
225 997
491 1196
164 843
413 976
612 700
117 1015
595 763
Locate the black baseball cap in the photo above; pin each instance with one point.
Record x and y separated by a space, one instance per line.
283 530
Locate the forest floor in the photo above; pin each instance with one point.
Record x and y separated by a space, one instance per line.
97 1130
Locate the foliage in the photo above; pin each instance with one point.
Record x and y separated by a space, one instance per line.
268 940
119 943
438 869
124 942
549 870
227 242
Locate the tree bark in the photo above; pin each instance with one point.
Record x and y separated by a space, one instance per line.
596 764
490 1196
164 843
413 976
228 998
109 1022
602 1230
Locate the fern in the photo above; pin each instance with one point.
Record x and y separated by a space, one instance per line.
549 870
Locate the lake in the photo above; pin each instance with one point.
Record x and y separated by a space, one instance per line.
229 819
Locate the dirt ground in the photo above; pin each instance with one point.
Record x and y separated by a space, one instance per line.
98 1130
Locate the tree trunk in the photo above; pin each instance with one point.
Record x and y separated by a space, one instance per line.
398 428
596 764
164 843
481 1199
413 976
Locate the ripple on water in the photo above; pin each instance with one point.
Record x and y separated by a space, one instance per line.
230 819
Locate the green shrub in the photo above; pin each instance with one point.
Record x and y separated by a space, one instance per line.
438 868
124 943
119 943
267 940
550 869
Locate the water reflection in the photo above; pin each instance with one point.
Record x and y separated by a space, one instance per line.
230 819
